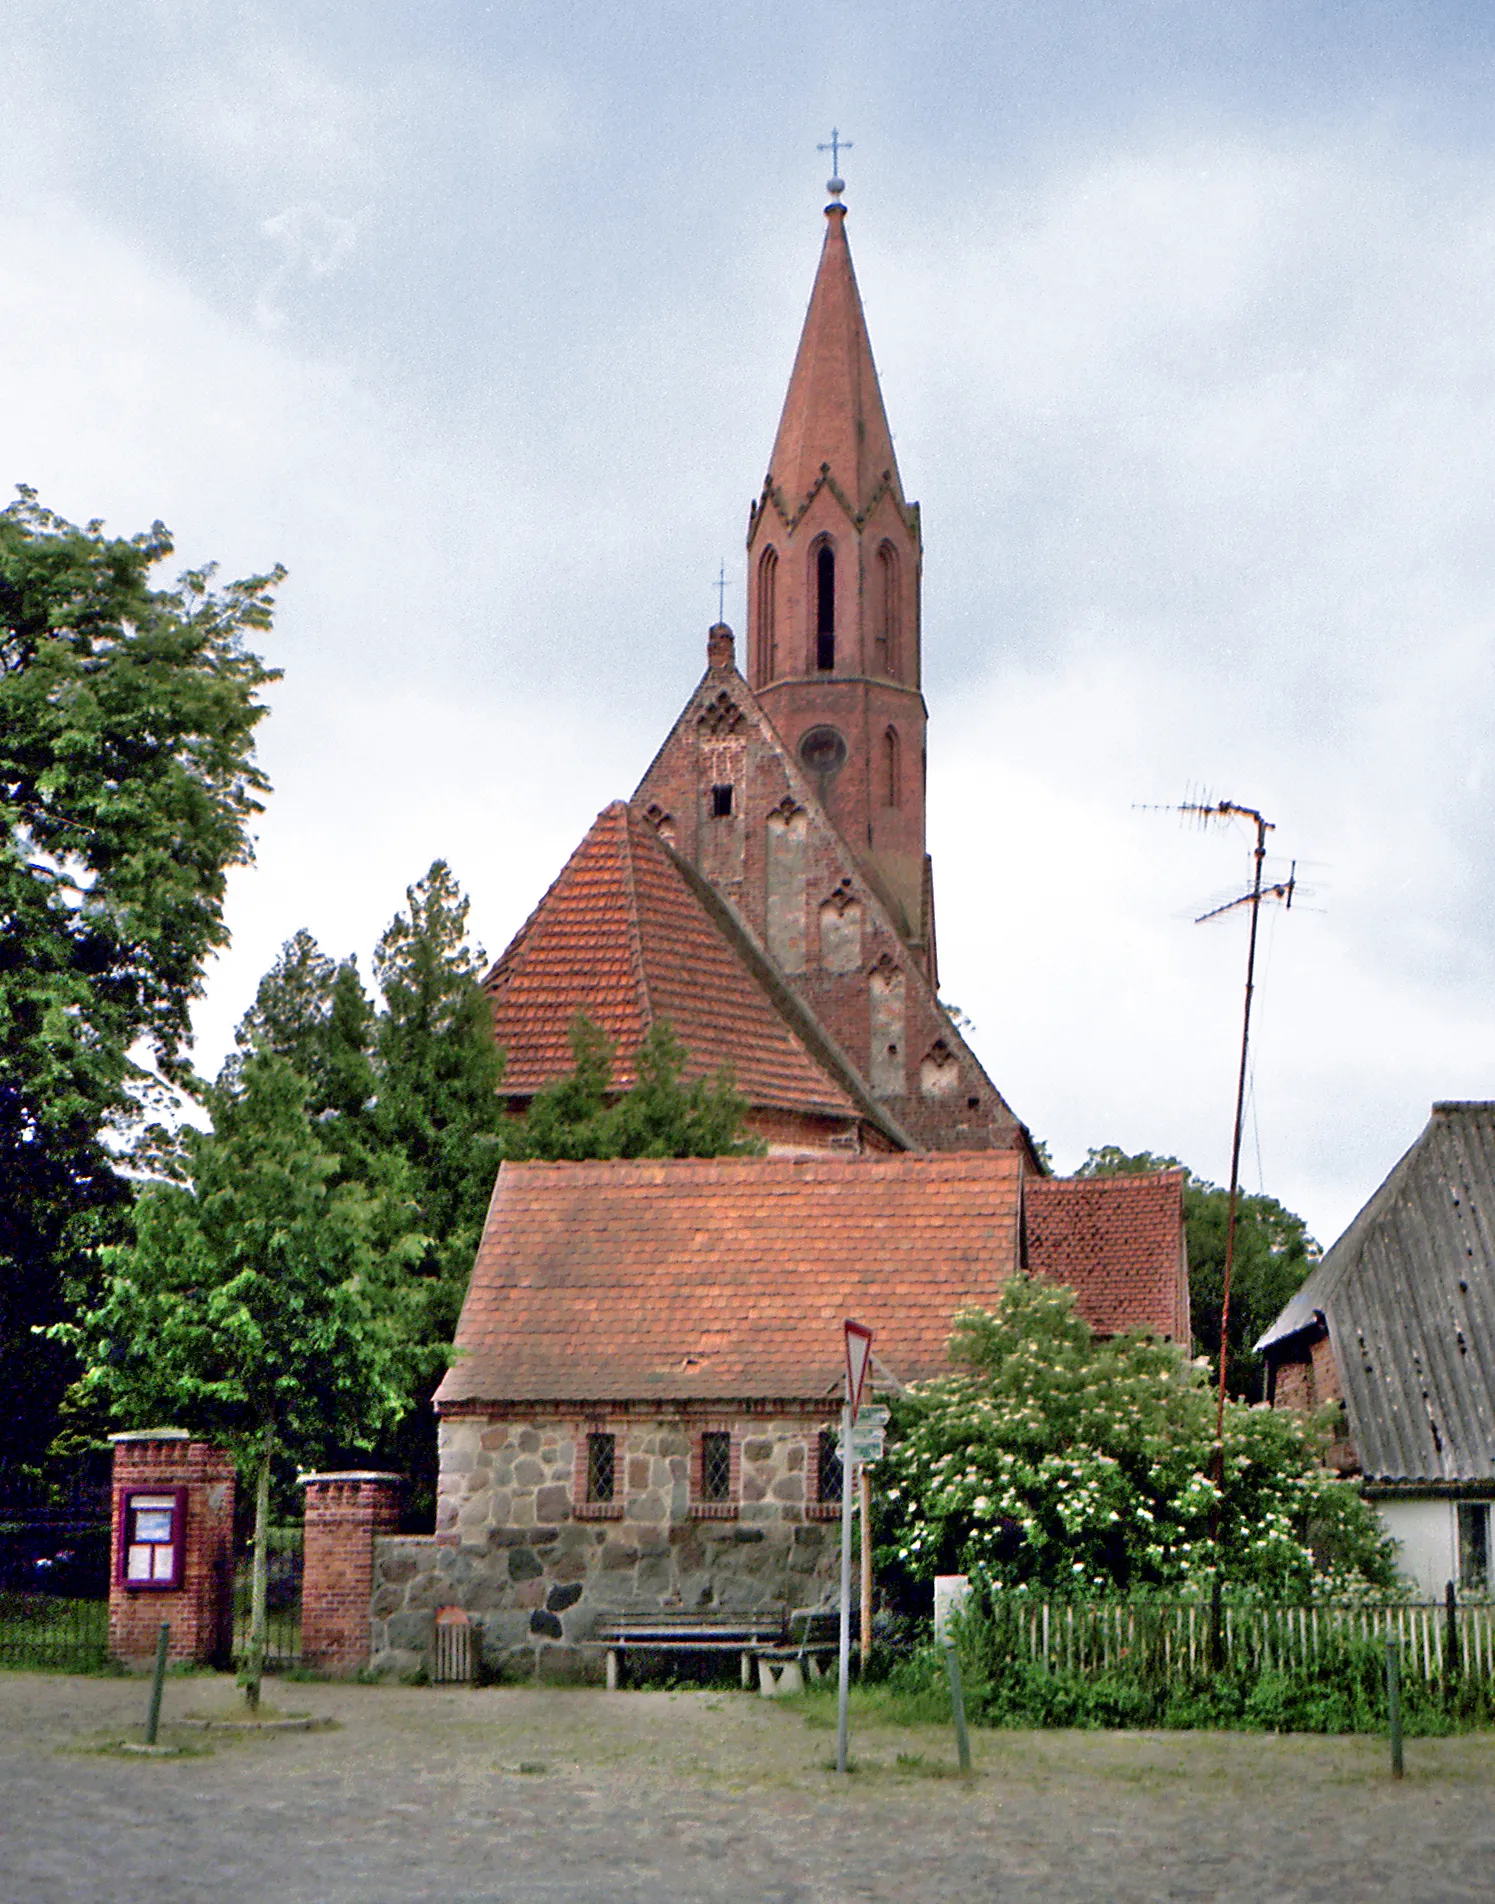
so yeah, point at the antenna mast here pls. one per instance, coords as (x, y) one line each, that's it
(1206, 811)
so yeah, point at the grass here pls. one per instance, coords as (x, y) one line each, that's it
(39, 1632)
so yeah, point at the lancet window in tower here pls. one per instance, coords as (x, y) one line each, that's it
(825, 607)
(886, 643)
(892, 769)
(768, 633)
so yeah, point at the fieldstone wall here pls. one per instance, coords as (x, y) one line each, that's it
(534, 1566)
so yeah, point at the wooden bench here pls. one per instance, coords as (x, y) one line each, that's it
(681, 1630)
(772, 1637)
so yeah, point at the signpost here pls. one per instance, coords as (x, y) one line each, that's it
(858, 1358)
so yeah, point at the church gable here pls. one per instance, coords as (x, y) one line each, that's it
(623, 937)
(726, 794)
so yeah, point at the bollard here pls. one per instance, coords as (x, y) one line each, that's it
(153, 1722)
(958, 1707)
(1394, 1703)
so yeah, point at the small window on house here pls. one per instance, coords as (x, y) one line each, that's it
(825, 607)
(602, 1467)
(721, 802)
(1474, 1546)
(828, 1467)
(716, 1466)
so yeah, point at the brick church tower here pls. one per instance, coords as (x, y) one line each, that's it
(834, 557)
(766, 890)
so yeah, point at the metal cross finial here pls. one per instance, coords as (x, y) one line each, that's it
(837, 146)
(721, 595)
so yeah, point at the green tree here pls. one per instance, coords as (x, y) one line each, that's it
(578, 1115)
(314, 1012)
(438, 1074)
(438, 1117)
(253, 1302)
(1273, 1255)
(127, 784)
(1055, 1462)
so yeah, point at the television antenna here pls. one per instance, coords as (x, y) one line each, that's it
(1208, 812)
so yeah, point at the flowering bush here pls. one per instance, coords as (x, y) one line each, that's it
(1058, 1463)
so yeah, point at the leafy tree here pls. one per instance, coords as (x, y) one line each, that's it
(1055, 1462)
(578, 1115)
(254, 1301)
(1273, 1255)
(127, 784)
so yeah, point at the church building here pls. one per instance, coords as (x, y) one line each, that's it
(647, 1367)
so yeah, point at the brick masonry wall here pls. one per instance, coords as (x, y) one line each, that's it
(200, 1612)
(345, 1514)
(534, 1573)
(933, 1083)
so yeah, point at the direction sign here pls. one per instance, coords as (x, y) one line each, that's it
(878, 1417)
(858, 1355)
(866, 1445)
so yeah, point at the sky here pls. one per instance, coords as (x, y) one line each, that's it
(479, 318)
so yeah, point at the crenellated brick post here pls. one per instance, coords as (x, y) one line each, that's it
(344, 1513)
(172, 1547)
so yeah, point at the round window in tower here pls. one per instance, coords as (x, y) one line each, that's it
(822, 751)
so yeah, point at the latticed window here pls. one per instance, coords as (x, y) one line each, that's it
(602, 1467)
(828, 1467)
(716, 1467)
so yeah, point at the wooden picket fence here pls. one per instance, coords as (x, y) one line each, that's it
(1173, 1639)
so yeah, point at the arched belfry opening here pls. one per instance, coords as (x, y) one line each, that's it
(892, 769)
(767, 652)
(825, 607)
(886, 642)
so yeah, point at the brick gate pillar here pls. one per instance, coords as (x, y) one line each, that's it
(172, 1547)
(344, 1512)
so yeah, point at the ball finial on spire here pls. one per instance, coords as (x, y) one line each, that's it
(835, 184)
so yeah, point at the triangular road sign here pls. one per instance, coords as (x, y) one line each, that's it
(858, 1355)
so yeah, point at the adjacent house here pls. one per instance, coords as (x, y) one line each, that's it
(1396, 1328)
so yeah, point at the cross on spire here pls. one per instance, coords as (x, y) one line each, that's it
(836, 147)
(721, 595)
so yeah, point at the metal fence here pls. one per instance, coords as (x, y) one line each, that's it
(42, 1630)
(1188, 1638)
(282, 1602)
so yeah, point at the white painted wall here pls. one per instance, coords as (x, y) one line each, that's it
(1427, 1535)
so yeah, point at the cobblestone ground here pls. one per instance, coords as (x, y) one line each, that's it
(700, 1797)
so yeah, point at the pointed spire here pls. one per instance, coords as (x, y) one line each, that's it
(833, 414)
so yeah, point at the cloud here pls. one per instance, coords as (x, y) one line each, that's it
(312, 243)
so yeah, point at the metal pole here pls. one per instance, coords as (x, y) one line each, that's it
(843, 1679)
(1235, 1147)
(865, 1500)
(958, 1707)
(153, 1721)
(1394, 1703)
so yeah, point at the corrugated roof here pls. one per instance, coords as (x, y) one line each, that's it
(1408, 1297)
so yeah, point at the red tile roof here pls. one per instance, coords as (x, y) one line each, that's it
(1118, 1241)
(727, 1278)
(622, 937)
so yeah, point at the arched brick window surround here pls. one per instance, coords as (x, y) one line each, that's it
(767, 653)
